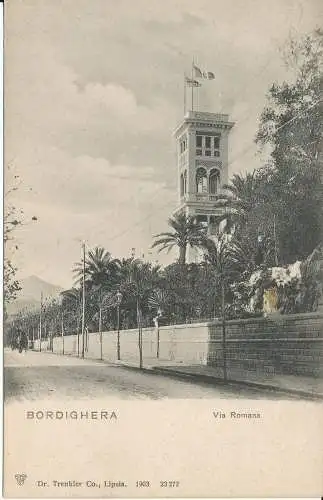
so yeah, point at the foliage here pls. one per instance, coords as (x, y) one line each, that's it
(187, 231)
(101, 276)
(13, 218)
(238, 199)
(291, 125)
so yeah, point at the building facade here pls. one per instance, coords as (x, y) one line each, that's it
(202, 166)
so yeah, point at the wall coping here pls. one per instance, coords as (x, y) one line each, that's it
(275, 318)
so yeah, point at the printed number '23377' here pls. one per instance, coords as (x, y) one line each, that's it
(169, 484)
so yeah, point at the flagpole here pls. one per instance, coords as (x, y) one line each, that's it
(192, 84)
(184, 94)
(197, 97)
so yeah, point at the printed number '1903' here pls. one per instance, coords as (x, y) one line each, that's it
(169, 484)
(142, 484)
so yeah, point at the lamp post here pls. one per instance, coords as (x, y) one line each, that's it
(156, 321)
(61, 304)
(40, 320)
(83, 302)
(118, 302)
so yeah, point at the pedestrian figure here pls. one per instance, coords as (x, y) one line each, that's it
(23, 341)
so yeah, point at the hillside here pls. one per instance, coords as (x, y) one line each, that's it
(29, 296)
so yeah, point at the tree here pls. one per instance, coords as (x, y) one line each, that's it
(101, 275)
(187, 231)
(250, 216)
(227, 259)
(72, 300)
(158, 302)
(141, 279)
(238, 199)
(291, 126)
(13, 218)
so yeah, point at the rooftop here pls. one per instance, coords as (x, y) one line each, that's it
(204, 118)
(205, 115)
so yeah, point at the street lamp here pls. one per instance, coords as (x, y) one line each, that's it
(118, 302)
(156, 321)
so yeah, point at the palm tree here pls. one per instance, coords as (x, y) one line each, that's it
(140, 280)
(242, 196)
(159, 301)
(186, 231)
(101, 272)
(227, 260)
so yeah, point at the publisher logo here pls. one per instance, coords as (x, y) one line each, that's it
(20, 478)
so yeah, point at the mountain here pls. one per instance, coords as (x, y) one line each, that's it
(29, 296)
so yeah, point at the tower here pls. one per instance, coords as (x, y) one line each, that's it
(202, 164)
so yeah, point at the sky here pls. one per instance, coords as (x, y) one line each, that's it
(94, 91)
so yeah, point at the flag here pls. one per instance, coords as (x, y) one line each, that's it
(192, 83)
(198, 73)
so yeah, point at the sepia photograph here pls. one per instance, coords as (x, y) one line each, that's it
(163, 248)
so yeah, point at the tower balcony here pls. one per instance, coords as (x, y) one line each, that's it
(200, 197)
(205, 197)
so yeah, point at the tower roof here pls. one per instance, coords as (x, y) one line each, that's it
(203, 119)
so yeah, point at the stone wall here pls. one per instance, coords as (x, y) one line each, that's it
(179, 343)
(290, 344)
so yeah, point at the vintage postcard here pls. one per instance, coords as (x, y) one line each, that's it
(163, 239)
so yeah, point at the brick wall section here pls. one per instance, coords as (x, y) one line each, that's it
(290, 344)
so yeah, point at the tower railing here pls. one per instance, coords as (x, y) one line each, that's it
(203, 115)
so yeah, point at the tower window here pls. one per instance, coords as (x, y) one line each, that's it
(182, 184)
(207, 145)
(214, 181)
(183, 144)
(185, 182)
(201, 180)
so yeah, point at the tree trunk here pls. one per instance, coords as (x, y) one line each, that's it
(224, 343)
(139, 334)
(78, 337)
(157, 354)
(182, 256)
(63, 340)
(100, 332)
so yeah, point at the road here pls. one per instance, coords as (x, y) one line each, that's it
(33, 376)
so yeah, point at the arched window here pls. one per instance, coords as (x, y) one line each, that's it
(182, 185)
(201, 180)
(185, 182)
(214, 181)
